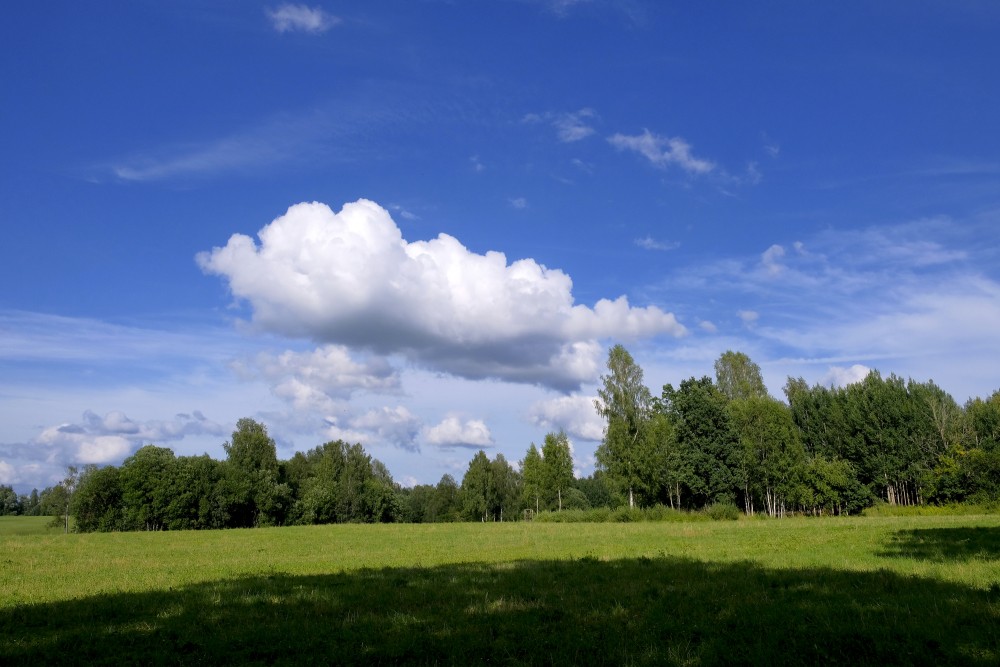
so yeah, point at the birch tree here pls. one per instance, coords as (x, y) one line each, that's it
(625, 403)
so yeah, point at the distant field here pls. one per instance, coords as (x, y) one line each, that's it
(877, 590)
(27, 525)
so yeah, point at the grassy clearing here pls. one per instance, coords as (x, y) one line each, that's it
(912, 590)
(28, 525)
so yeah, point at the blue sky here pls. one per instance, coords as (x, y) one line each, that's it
(420, 225)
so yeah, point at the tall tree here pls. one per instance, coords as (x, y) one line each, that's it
(9, 502)
(251, 480)
(476, 488)
(557, 465)
(69, 488)
(504, 488)
(705, 438)
(446, 503)
(625, 403)
(97, 503)
(532, 478)
(147, 487)
(737, 377)
(771, 452)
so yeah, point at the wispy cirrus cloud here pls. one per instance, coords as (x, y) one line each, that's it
(570, 127)
(920, 299)
(663, 151)
(649, 243)
(342, 129)
(301, 18)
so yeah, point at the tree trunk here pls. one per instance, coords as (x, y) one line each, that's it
(631, 499)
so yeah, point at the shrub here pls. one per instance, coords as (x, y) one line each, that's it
(722, 512)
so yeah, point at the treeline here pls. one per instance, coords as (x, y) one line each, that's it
(706, 445)
(48, 502)
(155, 490)
(826, 451)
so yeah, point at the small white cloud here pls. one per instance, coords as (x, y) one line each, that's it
(574, 414)
(753, 175)
(707, 326)
(770, 259)
(749, 317)
(477, 165)
(519, 203)
(838, 376)
(572, 127)
(292, 18)
(404, 213)
(649, 243)
(453, 432)
(663, 151)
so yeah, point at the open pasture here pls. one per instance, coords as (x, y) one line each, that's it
(882, 590)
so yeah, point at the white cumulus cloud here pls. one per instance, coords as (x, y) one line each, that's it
(350, 278)
(292, 18)
(839, 376)
(453, 432)
(574, 414)
(315, 380)
(396, 426)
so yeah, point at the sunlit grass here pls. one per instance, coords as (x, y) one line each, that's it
(884, 590)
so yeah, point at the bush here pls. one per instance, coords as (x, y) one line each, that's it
(722, 512)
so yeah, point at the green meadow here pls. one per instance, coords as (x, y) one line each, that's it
(862, 590)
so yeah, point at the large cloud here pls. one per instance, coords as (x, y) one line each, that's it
(574, 414)
(351, 278)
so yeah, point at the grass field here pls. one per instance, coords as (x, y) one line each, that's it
(28, 525)
(875, 590)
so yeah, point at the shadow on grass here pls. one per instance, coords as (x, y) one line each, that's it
(660, 611)
(945, 544)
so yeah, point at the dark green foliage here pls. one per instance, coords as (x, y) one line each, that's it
(10, 504)
(97, 504)
(250, 484)
(340, 483)
(574, 499)
(723, 512)
(490, 489)
(598, 492)
(706, 438)
(147, 484)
